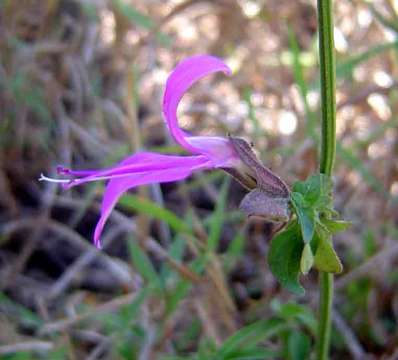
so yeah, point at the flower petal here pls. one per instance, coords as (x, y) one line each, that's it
(117, 186)
(181, 79)
(219, 150)
(137, 163)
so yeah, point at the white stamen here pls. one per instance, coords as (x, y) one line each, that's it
(45, 178)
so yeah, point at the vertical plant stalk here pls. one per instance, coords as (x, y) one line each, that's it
(328, 80)
(327, 155)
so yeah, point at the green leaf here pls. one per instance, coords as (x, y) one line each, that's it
(305, 215)
(335, 226)
(249, 336)
(293, 311)
(316, 190)
(316, 187)
(326, 258)
(312, 201)
(284, 258)
(307, 259)
(299, 346)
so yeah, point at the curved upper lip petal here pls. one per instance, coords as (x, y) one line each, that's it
(180, 80)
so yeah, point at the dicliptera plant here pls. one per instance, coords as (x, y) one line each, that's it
(307, 240)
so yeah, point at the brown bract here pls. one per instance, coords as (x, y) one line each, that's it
(269, 195)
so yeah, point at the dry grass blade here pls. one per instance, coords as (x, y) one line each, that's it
(355, 348)
(104, 308)
(385, 256)
(35, 346)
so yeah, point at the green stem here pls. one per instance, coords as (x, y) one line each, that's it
(328, 92)
(325, 314)
(327, 155)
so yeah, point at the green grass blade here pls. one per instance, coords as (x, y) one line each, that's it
(152, 209)
(143, 265)
(298, 72)
(218, 217)
(250, 336)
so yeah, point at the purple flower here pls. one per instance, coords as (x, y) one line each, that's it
(208, 152)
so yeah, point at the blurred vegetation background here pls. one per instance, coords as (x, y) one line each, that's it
(183, 274)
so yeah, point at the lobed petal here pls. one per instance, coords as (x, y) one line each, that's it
(119, 185)
(180, 80)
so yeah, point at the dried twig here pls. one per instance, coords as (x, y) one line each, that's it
(38, 227)
(130, 227)
(37, 346)
(355, 348)
(100, 349)
(384, 256)
(153, 246)
(78, 266)
(107, 307)
(118, 269)
(150, 331)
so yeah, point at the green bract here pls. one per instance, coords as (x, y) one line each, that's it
(306, 241)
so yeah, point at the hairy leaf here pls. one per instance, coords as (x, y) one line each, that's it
(305, 214)
(335, 226)
(316, 190)
(284, 257)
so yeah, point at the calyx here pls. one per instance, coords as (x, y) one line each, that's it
(269, 195)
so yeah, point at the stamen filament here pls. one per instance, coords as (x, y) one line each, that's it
(45, 178)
